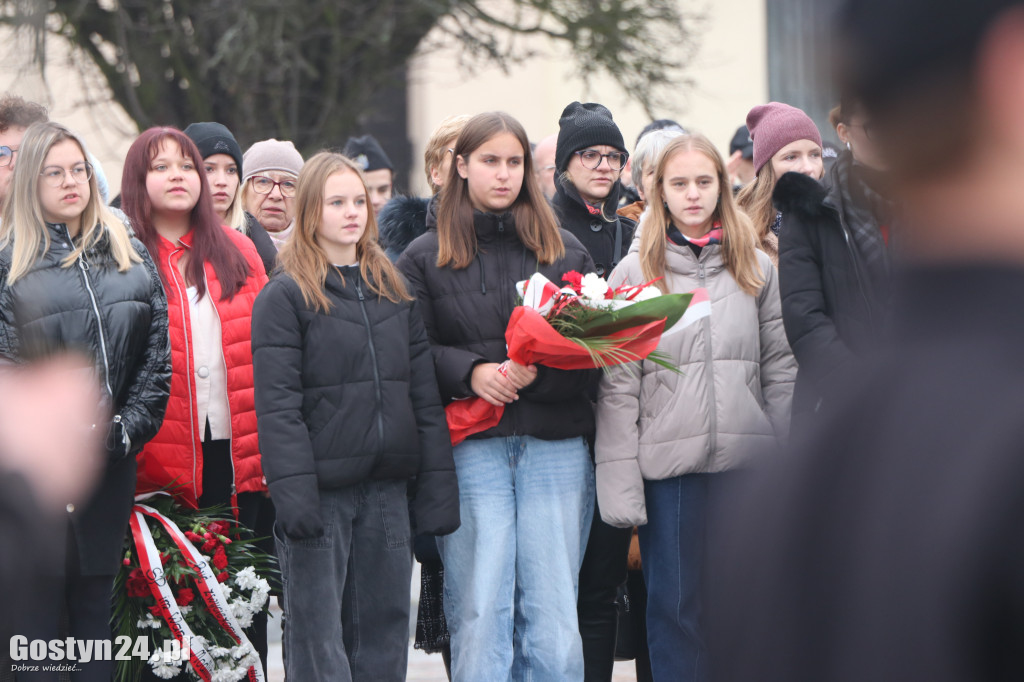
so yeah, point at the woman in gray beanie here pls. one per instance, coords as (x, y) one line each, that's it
(222, 159)
(271, 171)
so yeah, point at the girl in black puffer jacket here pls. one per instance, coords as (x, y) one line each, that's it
(74, 281)
(348, 412)
(526, 485)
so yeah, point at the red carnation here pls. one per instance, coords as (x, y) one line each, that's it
(164, 556)
(137, 585)
(221, 577)
(575, 280)
(220, 559)
(184, 596)
(155, 610)
(192, 537)
(219, 527)
(208, 546)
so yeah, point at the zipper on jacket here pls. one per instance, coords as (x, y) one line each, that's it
(83, 265)
(187, 334)
(710, 363)
(506, 311)
(231, 432)
(376, 370)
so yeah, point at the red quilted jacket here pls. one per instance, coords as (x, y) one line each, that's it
(175, 455)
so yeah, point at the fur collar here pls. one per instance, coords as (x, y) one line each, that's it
(798, 194)
(401, 221)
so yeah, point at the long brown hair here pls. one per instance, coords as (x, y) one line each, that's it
(739, 246)
(756, 200)
(535, 223)
(305, 261)
(210, 244)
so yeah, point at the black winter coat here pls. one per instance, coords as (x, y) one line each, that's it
(607, 241)
(467, 311)
(834, 298)
(119, 319)
(257, 234)
(346, 396)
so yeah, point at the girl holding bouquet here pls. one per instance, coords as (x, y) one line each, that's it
(526, 484)
(664, 438)
(73, 281)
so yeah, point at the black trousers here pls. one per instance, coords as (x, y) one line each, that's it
(603, 570)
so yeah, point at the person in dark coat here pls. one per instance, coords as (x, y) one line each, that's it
(526, 485)
(348, 412)
(834, 264)
(589, 159)
(77, 283)
(887, 547)
(222, 158)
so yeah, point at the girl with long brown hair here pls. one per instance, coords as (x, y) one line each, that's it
(526, 484)
(348, 412)
(663, 437)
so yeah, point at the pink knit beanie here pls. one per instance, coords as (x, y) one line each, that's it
(774, 125)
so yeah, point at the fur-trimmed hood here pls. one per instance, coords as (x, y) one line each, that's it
(402, 220)
(796, 193)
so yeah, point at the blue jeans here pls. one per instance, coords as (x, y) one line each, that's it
(346, 594)
(672, 546)
(512, 568)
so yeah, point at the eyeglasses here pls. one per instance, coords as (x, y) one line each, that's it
(264, 185)
(54, 175)
(6, 155)
(591, 159)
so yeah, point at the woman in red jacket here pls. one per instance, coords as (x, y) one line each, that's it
(207, 447)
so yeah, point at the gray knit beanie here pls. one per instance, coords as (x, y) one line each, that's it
(271, 155)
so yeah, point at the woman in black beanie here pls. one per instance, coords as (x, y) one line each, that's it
(223, 160)
(589, 158)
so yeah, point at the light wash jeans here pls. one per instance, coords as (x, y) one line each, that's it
(511, 571)
(346, 594)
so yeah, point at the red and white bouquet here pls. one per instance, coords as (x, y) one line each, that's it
(584, 325)
(189, 579)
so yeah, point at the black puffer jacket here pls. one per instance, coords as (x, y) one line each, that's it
(834, 286)
(346, 396)
(120, 320)
(466, 312)
(607, 241)
(257, 234)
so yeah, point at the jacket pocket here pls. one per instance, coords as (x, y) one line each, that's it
(320, 416)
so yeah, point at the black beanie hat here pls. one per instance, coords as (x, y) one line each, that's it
(367, 153)
(214, 138)
(584, 125)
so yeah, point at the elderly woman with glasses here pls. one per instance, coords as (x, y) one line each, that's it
(271, 173)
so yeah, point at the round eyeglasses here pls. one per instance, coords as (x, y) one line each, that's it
(591, 159)
(54, 175)
(264, 185)
(6, 155)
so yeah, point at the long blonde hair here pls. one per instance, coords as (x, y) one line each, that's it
(739, 245)
(305, 260)
(535, 223)
(756, 200)
(23, 221)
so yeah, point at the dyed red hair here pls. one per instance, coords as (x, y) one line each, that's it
(209, 242)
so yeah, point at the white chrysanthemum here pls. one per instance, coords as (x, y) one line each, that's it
(246, 579)
(242, 612)
(163, 665)
(647, 293)
(148, 621)
(594, 287)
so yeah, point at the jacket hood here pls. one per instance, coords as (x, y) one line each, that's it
(404, 219)
(796, 193)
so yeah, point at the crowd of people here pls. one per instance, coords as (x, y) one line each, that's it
(281, 335)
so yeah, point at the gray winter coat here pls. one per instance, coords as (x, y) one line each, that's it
(730, 400)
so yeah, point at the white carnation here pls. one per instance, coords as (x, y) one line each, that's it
(594, 287)
(647, 293)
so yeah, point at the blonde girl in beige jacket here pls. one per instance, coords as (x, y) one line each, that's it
(663, 436)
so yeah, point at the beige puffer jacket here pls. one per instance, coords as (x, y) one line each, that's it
(731, 400)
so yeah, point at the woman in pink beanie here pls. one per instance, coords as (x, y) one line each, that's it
(785, 140)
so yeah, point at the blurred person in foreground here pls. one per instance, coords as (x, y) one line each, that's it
(888, 546)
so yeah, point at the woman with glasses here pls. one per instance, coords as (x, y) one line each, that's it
(222, 161)
(785, 140)
(834, 261)
(589, 158)
(271, 176)
(74, 282)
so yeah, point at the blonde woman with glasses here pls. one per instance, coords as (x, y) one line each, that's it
(74, 282)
